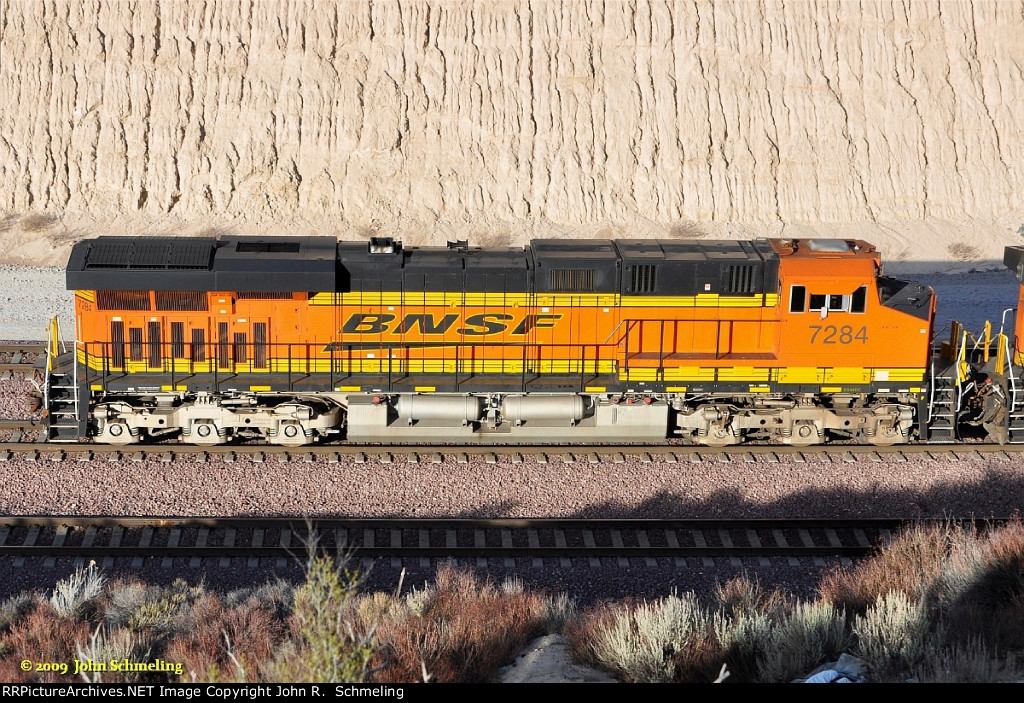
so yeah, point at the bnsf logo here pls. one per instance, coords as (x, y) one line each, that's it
(479, 325)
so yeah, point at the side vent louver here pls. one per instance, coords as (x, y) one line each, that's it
(643, 278)
(739, 279)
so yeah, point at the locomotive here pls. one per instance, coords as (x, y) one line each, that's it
(294, 340)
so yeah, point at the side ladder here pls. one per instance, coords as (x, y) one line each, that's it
(61, 391)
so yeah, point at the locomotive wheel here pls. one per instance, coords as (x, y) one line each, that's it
(888, 435)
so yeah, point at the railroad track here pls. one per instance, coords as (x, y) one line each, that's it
(21, 357)
(27, 437)
(178, 541)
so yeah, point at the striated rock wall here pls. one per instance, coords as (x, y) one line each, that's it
(497, 121)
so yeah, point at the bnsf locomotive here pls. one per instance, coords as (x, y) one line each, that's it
(291, 340)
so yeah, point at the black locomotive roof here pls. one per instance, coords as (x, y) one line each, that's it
(267, 264)
(656, 267)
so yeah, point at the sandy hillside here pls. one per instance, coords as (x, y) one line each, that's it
(498, 121)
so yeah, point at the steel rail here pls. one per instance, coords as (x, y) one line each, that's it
(437, 538)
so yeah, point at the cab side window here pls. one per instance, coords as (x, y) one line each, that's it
(800, 301)
(797, 298)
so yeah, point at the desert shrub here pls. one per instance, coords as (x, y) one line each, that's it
(458, 629)
(329, 643)
(812, 634)
(972, 662)
(16, 607)
(981, 588)
(912, 563)
(106, 644)
(122, 600)
(893, 636)
(41, 636)
(72, 594)
(559, 610)
(668, 640)
(743, 637)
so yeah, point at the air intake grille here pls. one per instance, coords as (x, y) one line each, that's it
(267, 248)
(571, 280)
(185, 300)
(122, 300)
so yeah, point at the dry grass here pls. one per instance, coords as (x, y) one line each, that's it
(37, 221)
(962, 251)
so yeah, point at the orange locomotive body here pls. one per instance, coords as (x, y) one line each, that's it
(294, 339)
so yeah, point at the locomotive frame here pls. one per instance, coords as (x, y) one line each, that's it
(293, 340)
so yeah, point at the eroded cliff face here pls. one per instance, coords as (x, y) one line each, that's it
(498, 121)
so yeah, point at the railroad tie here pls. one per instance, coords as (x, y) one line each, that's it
(424, 543)
(229, 541)
(622, 560)
(644, 542)
(671, 458)
(204, 534)
(726, 539)
(87, 539)
(805, 538)
(560, 543)
(257, 543)
(533, 540)
(285, 542)
(506, 543)
(799, 458)
(144, 541)
(480, 542)
(368, 543)
(695, 458)
(589, 543)
(755, 542)
(58, 541)
(396, 544)
(173, 540)
(701, 543)
(672, 540)
(115, 541)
